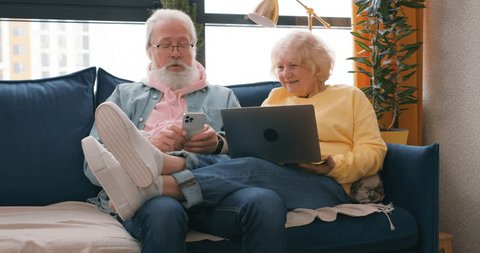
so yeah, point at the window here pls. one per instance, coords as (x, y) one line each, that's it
(45, 60)
(19, 67)
(62, 42)
(61, 27)
(85, 60)
(44, 26)
(18, 49)
(85, 42)
(1, 49)
(111, 36)
(238, 51)
(62, 60)
(117, 47)
(44, 41)
(18, 31)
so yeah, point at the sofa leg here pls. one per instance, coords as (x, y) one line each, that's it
(445, 243)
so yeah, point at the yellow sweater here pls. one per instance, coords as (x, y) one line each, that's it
(347, 130)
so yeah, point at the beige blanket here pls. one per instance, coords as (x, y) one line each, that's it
(65, 227)
(302, 216)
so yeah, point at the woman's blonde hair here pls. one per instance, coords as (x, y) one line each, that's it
(307, 50)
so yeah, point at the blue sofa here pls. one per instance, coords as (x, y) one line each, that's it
(43, 121)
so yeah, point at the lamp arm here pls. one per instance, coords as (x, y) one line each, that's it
(310, 12)
(304, 6)
(325, 23)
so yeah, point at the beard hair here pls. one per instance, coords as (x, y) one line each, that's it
(176, 80)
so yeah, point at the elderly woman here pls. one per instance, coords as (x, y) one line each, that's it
(349, 133)
(349, 137)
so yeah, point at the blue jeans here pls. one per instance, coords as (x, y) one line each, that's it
(160, 225)
(295, 187)
(243, 198)
(256, 216)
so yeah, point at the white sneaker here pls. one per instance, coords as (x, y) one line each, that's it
(123, 192)
(141, 160)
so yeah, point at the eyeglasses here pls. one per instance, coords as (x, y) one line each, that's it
(168, 48)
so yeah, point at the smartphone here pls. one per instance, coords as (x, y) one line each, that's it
(193, 123)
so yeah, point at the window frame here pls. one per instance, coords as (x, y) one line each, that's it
(93, 10)
(137, 11)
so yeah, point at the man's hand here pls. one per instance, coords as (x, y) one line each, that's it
(323, 168)
(170, 138)
(204, 142)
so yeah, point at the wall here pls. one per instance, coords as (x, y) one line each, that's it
(451, 117)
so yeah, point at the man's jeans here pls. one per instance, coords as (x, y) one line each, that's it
(256, 216)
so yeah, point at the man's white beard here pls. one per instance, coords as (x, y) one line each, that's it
(177, 80)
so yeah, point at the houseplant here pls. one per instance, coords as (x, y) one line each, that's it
(384, 57)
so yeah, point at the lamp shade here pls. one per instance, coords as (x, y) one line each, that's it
(266, 13)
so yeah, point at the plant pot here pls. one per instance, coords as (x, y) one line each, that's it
(397, 136)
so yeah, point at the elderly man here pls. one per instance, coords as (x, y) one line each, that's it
(176, 83)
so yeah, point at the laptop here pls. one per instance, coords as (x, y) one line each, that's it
(281, 134)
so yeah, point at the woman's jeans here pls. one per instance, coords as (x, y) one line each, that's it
(244, 198)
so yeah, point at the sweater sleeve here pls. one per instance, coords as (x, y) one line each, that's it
(368, 151)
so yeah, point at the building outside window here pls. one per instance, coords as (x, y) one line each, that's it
(18, 49)
(85, 60)
(18, 31)
(45, 59)
(62, 42)
(19, 67)
(62, 60)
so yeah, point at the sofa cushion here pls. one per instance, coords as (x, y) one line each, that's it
(366, 234)
(106, 83)
(72, 227)
(43, 122)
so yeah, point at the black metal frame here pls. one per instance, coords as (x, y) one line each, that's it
(94, 10)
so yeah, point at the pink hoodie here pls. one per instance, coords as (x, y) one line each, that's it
(173, 104)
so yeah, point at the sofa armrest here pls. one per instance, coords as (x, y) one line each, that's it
(410, 175)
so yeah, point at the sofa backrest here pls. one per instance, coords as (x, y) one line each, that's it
(249, 94)
(253, 94)
(42, 123)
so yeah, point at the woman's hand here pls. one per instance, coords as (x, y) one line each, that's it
(204, 142)
(323, 168)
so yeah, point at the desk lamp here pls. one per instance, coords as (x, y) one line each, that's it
(266, 14)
